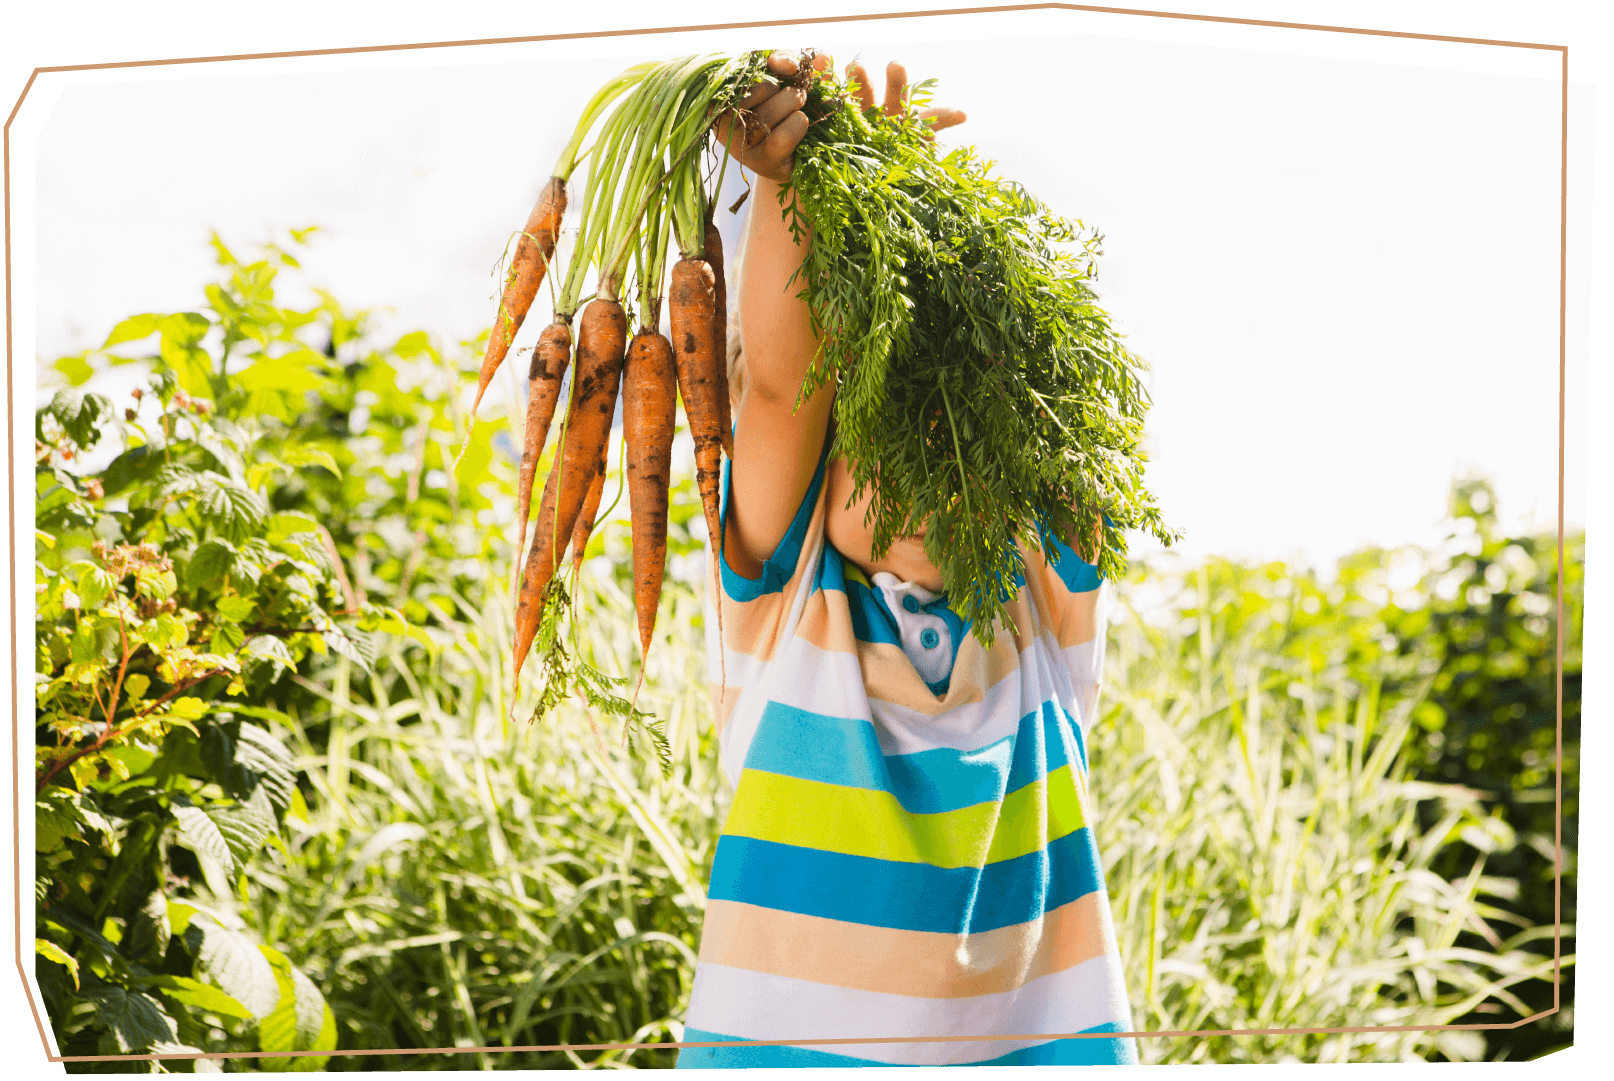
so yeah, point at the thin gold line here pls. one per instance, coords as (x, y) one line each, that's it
(762, 23)
(648, 31)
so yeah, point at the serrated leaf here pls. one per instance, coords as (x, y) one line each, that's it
(270, 760)
(47, 949)
(198, 832)
(211, 562)
(94, 584)
(79, 414)
(198, 995)
(231, 508)
(354, 644)
(148, 932)
(234, 963)
(164, 632)
(235, 609)
(266, 647)
(245, 825)
(288, 524)
(299, 1021)
(134, 1018)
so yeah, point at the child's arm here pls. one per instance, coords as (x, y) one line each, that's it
(776, 445)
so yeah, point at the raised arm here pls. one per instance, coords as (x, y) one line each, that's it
(776, 445)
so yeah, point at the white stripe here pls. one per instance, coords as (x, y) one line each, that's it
(759, 1006)
(976, 724)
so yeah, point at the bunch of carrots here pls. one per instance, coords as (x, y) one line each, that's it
(647, 191)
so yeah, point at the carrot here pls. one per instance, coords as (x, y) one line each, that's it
(648, 420)
(720, 330)
(591, 507)
(533, 252)
(549, 362)
(601, 342)
(692, 308)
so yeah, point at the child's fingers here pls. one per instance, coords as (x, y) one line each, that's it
(759, 93)
(781, 142)
(865, 93)
(782, 64)
(896, 85)
(780, 105)
(938, 119)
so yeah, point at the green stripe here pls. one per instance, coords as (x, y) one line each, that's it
(872, 823)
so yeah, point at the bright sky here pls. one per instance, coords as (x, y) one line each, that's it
(1343, 268)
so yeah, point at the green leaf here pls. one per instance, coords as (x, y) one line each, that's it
(231, 508)
(47, 949)
(76, 368)
(413, 345)
(234, 963)
(355, 645)
(304, 454)
(148, 932)
(135, 1019)
(236, 609)
(299, 1021)
(284, 373)
(79, 414)
(131, 330)
(245, 825)
(198, 996)
(198, 832)
(266, 647)
(164, 632)
(155, 584)
(93, 584)
(211, 562)
(41, 537)
(135, 466)
(267, 757)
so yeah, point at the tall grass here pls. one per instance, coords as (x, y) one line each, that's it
(1261, 836)
(459, 879)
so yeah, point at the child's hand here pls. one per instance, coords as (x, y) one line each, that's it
(896, 85)
(768, 148)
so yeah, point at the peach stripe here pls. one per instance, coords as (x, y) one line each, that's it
(827, 623)
(920, 964)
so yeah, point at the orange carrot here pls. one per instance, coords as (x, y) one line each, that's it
(591, 507)
(693, 303)
(720, 330)
(693, 310)
(549, 363)
(648, 419)
(601, 342)
(533, 252)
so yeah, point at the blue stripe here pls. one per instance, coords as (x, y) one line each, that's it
(907, 896)
(1078, 575)
(1118, 1052)
(842, 751)
(778, 567)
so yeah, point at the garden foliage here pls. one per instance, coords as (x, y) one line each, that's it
(280, 805)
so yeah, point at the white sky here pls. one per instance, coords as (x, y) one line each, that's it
(1343, 269)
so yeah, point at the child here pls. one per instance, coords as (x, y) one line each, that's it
(908, 853)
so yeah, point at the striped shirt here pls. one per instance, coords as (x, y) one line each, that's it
(908, 850)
